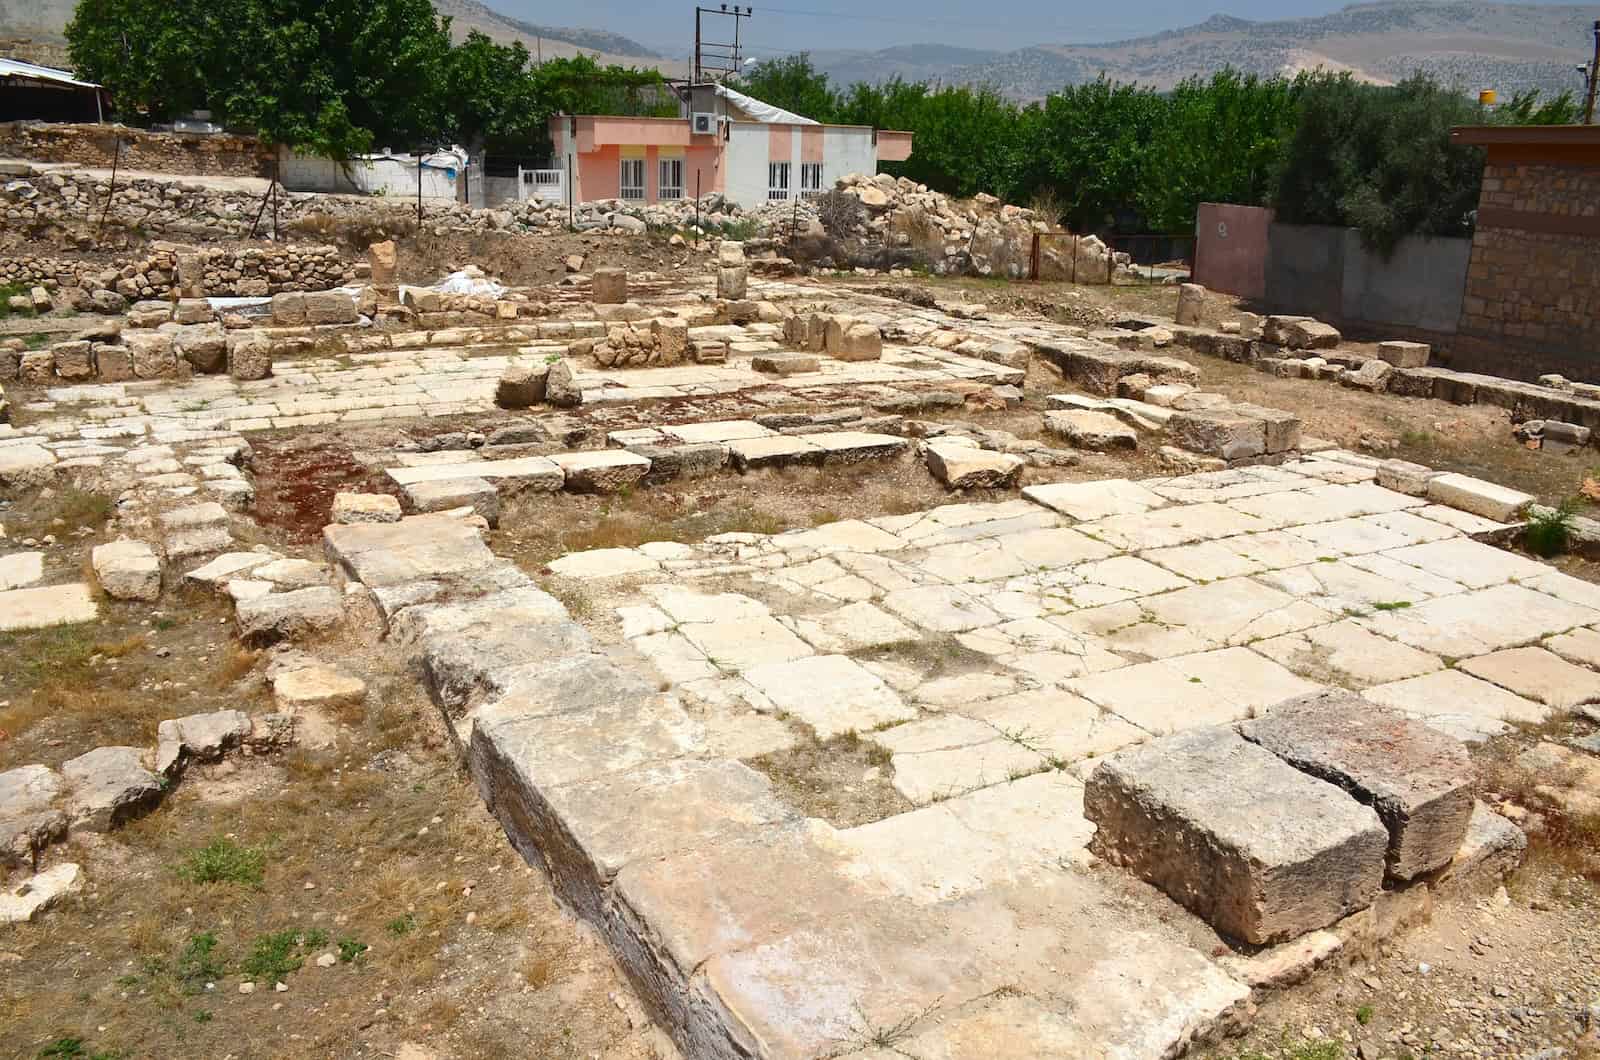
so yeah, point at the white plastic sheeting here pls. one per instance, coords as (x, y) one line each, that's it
(762, 112)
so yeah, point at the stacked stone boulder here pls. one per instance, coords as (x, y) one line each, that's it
(733, 275)
(1287, 823)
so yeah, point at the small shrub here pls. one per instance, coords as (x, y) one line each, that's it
(273, 956)
(199, 962)
(224, 861)
(401, 925)
(350, 950)
(1364, 1015)
(1549, 530)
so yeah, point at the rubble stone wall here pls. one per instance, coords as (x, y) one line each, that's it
(1534, 276)
(158, 152)
(254, 271)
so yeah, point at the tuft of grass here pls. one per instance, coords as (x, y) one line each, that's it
(1549, 530)
(273, 956)
(350, 950)
(224, 861)
(1364, 1015)
(1392, 605)
(200, 963)
(401, 926)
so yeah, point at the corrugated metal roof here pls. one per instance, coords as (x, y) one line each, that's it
(14, 68)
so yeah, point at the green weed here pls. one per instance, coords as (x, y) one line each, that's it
(224, 861)
(1549, 530)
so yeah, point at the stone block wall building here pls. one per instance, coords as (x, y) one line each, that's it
(1533, 278)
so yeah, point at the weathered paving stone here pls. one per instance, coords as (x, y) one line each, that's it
(1087, 501)
(1186, 691)
(414, 549)
(20, 569)
(744, 643)
(21, 901)
(525, 472)
(291, 615)
(1537, 674)
(127, 570)
(1492, 848)
(604, 563)
(1087, 429)
(107, 786)
(1458, 704)
(833, 694)
(1419, 780)
(940, 608)
(204, 737)
(365, 508)
(602, 471)
(850, 447)
(1229, 435)
(1347, 654)
(947, 755)
(462, 666)
(229, 565)
(1260, 850)
(962, 467)
(46, 605)
(749, 454)
(785, 363)
(1481, 498)
(29, 821)
(317, 687)
(449, 494)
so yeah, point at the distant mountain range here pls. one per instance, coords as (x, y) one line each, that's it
(1508, 47)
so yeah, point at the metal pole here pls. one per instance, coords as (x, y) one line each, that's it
(697, 209)
(1074, 257)
(116, 156)
(419, 187)
(697, 45)
(572, 194)
(1594, 73)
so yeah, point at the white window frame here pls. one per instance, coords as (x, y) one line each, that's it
(633, 167)
(777, 181)
(810, 180)
(670, 186)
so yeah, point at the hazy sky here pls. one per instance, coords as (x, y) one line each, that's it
(798, 24)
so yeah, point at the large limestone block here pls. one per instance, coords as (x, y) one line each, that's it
(414, 549)
(127, 570)
(29, 822)
(1087, 429)
(601, 471)
(289, 308)
(1282, 428)
(1405, 354)
(330, 307)
(1229, 435)
(193, 311)
(561, 385)
(1229, 830)
(204, 347)
(1191, 304)
(107, 786)
(1474, 495)
(289, 615)
(249, 355)
(963, 467)
(521, 386)
(383, 259)
(153, 355)
(73, 360)
(733, 281)
(46, 605)
(365, 508)
(848, 339)
(444, 495)
(610, 286)
(1418, 779)
(671, 337)
(204, 737)
(462, 667)
(1299, 333)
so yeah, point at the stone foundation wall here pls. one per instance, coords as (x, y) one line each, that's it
(254, 271)
(1534, 275)
(158, 152)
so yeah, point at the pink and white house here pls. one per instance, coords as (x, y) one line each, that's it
(751, 152)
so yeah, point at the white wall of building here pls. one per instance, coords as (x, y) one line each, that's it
(844, 151)
(390, 175)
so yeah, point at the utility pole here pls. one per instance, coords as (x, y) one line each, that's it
(1594, 73)
(717, 57)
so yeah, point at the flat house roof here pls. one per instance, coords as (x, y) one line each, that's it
(603, 129)
(1550, 144)
(13, 68)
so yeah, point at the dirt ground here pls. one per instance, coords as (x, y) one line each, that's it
(367, 847)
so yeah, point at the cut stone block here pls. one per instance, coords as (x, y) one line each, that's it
(1282, 428)
(1260, 850)
(717, 431)
(1228, 435)
(850, 447)
(22, 901)
(750, 454)
(449, 494)
(1537, 674)
(1404, 354)
(317, 687)
(610, 286)
(1402, 476)
(107, 786)
(46, 605)
(365, 508)
(601, 470)
(26, 465)
(526, 472)
(201, 736)
(962, 467)
(1418, 779)
(28, 820)
(1458, 704)
(604, 563)
(522, 386)
(127, 570)
(785, 363)
(289, 615)
(1474, 495)
(1086, 429)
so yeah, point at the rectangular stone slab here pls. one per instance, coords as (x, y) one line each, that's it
(1259, 849)
(1418, 779)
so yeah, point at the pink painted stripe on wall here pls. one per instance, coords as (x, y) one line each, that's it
(780, 143)
(811, 143)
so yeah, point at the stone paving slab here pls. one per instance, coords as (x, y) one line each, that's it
(1458, 704)
(46, 605)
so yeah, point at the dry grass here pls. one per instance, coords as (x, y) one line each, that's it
(1563, 846)
(66, 512)
(845, 780)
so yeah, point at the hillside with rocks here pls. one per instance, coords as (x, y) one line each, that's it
(1509, 47)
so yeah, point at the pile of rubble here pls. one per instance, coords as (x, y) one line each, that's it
(244, 272)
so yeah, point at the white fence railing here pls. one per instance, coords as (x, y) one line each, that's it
(546, 184)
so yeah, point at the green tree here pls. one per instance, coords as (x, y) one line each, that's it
(490, 97)
(793, 84)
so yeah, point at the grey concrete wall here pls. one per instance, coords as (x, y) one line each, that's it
(1420, 286)
(1325, 272)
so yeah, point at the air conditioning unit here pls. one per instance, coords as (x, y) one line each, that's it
(703, 124)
